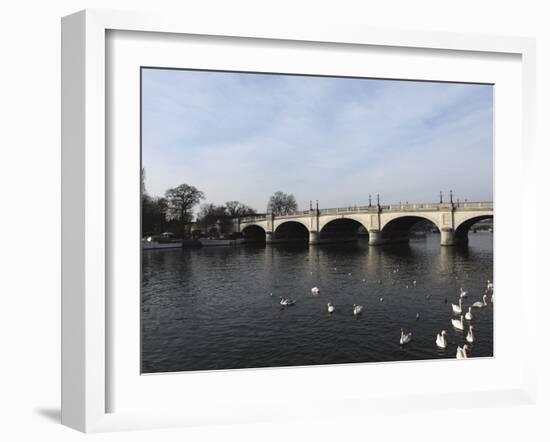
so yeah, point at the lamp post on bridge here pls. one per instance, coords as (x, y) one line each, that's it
(440, 197)
(370, 202)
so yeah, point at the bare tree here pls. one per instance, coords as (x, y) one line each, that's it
(281, 203)
(236, 209)
(181, 201)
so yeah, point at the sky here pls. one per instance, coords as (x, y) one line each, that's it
(244, 136)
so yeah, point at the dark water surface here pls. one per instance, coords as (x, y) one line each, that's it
(210, 308)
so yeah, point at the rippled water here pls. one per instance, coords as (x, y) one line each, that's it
(210, 308)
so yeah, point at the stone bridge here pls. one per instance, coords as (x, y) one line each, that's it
(382, 224)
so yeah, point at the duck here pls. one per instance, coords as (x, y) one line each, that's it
(405, 338)
(315, 290)
(357, 309)
(463, 293)
(470, 336)
(330, 307)
(468, 316)
(462, 353)
(457, 309)
(479, 304)
(441, 339)
(458, 323)
(286, 301)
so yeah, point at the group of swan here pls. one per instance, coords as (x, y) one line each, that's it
(441, 341)
(357, 309)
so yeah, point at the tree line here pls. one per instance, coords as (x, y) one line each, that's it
(174, 212)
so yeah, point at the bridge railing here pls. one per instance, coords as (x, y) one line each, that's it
(353, 209)
(475, 205)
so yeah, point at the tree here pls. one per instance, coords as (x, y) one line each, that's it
(180, 201)
(210, 215)
(236, 209)
(281, 203)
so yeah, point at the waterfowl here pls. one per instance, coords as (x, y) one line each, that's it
(457, 309)
(463, 293)
(462, 353)
(381, 299)
(458, 323)
(468, 316)
(405, 338)
(315, 290)
(357, 309)
(330, 307)
(479, 304)
(441, 339)
(417, 316)
(286, 301)
(489, 285)
(470, 336)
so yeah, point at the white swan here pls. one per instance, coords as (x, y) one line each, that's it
(479, 304)
(315, 290)
(330, 307)
(468, 316)
(463, 293)
(470, 336)
(405, 338)
(457, 309)
(462, 353)
(441, 339)
(458, 323)
(357, 309)
(286, 301)
(490, 285)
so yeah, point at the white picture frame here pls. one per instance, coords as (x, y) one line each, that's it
(86, 210)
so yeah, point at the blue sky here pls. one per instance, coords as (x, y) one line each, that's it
(239, 136)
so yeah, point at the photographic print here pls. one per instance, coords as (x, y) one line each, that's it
(297, 220)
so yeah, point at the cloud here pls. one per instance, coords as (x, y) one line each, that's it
(244, 136)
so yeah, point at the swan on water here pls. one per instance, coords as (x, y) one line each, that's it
(417, 316)
(458, 323)
(286, 301)
(463, 293)
(470, 336)
(315, 290)
(357, 309)
(479, 304)
(457, 309)
(468, 316)
(330, 307)
(441, 339)
(381, 299)
(462, 353)
(490, 285)
(405, 338)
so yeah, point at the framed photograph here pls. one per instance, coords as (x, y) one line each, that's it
(279, 223)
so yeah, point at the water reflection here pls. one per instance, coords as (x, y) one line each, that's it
(210, 308)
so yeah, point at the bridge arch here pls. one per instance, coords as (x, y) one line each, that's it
(291, 230)
(342, 229)
(253, 233)
(462, 229)
(398, 228)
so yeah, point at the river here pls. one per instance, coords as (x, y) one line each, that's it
(215, 308)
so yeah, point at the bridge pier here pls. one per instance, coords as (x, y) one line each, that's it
(269, 237)
(313, 237)
(447, 237)
(375, 238)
